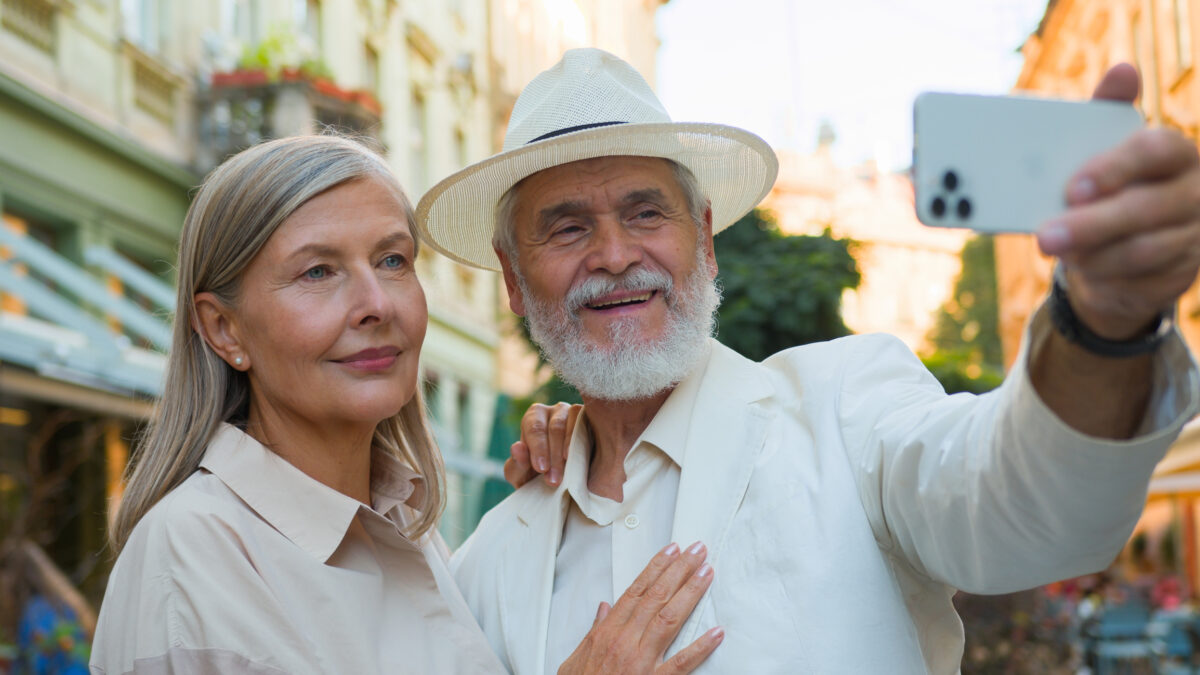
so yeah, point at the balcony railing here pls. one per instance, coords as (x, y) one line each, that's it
(245, 107)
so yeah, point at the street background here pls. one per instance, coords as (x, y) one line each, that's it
(112, 111)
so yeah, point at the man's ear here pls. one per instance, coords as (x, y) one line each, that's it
(516, 301)
(215, 324)
(706, 240)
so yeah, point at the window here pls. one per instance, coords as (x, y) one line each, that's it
(418, 131)
(1183, 35)
(464, 419)
(1144, 61)
(371, 70)
(460, 148)
(142, 22)
(34, 21)
(429, 389)
(307, 16)
(240, 19)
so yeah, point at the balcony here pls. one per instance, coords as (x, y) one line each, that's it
(245, 107)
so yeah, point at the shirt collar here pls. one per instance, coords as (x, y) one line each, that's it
(311, 514)
(668, 431)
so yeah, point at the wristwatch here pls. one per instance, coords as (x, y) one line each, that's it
(1069, 326)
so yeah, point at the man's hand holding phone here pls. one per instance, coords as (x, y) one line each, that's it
(1129, 241)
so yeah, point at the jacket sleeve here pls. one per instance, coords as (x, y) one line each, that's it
(994, 493)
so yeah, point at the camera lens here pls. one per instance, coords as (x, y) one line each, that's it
(964, 208)
(938, 207)
(950, 180)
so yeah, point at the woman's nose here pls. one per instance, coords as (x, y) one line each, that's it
(371, 302)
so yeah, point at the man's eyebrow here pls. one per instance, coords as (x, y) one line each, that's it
(552, 213)
(644, 195)
(565, 208)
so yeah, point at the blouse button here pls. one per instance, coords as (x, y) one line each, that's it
(632, 521)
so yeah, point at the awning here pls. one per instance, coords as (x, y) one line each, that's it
(76, 330)
(1178, 473)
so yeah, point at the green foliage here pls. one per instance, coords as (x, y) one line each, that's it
(967, 354)
(281, 50)
(956, 371)
(780, 290)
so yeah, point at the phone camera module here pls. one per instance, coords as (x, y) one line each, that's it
(950, 181)
(964, 208)
(938, 207)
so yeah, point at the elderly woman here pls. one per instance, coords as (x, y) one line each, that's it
(280, 515)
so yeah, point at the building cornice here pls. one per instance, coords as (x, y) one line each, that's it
(128, 148)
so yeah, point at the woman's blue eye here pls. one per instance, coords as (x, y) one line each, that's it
(316, 273)
(393, 261)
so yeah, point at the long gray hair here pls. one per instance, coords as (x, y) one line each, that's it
(235, 212)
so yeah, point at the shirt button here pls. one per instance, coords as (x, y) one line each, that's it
(632, 521)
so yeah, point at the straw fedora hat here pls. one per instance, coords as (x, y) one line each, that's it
(591, 104)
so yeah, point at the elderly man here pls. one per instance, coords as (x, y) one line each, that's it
(842, 495)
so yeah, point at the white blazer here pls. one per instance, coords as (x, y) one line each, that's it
(843, 498)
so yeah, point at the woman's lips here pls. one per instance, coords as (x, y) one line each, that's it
(371, 359)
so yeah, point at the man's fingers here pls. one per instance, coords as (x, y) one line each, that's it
(650, 574)
(1145, 254)
(689, 658)
(647, 617)
(1148, 155)
(534, 425)
(1120, 83)
(518, 473)
(1135, 209)
(557, 439)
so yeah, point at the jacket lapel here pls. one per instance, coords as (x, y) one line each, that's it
(727, 434)
(528, 575)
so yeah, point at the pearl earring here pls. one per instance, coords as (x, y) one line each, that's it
(237, 360)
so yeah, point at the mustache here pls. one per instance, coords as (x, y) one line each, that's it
(593, 288)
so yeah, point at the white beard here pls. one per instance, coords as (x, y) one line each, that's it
(623, 368)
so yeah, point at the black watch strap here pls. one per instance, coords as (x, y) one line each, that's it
(1069, 326)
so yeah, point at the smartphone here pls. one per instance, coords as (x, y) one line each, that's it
(1001, 163)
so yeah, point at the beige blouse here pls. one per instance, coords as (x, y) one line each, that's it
(250, 566)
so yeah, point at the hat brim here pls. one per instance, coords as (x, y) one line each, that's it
(734, 168)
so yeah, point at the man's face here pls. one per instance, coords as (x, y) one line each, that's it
(611, 266)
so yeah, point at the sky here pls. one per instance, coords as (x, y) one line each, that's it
(780, 67)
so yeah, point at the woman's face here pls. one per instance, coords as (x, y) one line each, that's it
(330, 313)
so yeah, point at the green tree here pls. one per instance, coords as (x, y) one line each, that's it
(966, 338)
(780, 290)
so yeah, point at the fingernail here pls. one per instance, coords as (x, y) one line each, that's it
(695, 548)
(555, 476)
(704, 570)
(1082, 190)
(671, 549)
(717, 633)
(541, 464)
(1054, 238)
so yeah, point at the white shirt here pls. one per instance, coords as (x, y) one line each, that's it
(251, 566)
(606, 544)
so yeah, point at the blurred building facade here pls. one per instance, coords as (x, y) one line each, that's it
(1074, 45)
(908, 269)
(111, 112)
